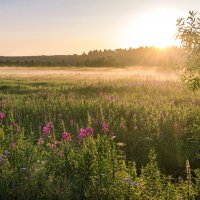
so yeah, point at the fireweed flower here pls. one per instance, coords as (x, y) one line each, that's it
(89, 131)
(105, 127)
(56, 142)
(47, 129)
(53, 146)
(40, 140)
(49, 125)
(66, 136)
(13, 124)
(1, 116)
(84, 133)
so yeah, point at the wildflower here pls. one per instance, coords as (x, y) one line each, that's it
(89, 131)
(113, 136)
(105, 127)
(49, 125)
(82, 132)
(40, 140)
(79, 137)
(13, 124)
(1, 116)
(85, 133)
(6, 152)
(53, 146)
(66, 136)
(121, 144)
(46, 130)
(56, 142)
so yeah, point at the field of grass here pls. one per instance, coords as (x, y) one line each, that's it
(110, 134)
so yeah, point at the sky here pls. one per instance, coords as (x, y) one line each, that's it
(60, 27)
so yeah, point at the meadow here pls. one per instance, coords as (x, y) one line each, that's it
(100, 133)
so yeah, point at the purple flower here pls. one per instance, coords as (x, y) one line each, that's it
(6, 152)
(84, 133)
(89, 131)
(66, 136)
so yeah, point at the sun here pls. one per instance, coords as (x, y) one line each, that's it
(156, 28)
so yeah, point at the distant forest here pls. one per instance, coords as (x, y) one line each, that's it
(145, 56)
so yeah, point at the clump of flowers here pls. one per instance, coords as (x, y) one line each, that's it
(105, 127)
(85, 133)
(66, 136)
(47, 129)
(54, 145)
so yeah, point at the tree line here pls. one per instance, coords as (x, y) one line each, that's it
(145, 56)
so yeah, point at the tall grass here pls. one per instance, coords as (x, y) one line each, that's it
(142, 114)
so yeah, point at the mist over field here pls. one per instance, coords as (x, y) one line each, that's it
(154, 73)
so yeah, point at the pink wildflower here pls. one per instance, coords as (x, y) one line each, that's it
(40, 140)
(53, 146)
(49, 125)
(66, 136)
(89, 131)
(45, 130)
(1, 116)
(13, 124)
(56, 142)
(84, 133)
(105, 127)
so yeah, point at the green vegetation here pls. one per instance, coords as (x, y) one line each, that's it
(42, 160)
(144, 56)
(189, 34)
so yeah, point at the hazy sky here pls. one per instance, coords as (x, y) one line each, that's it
(38, 27)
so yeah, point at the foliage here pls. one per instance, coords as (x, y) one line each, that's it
(79, 139)
(93, 168)
(189, 35)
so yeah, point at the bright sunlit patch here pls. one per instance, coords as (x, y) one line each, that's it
(151, 29)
